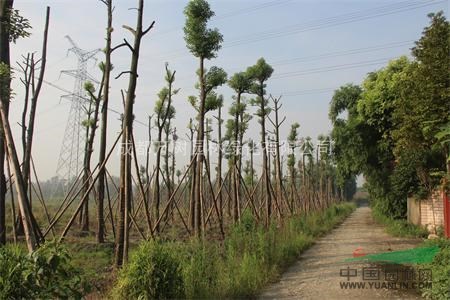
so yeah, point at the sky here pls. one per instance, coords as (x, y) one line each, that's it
(313, 46)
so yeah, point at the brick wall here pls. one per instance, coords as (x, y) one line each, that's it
(428, 213)
(432, 211)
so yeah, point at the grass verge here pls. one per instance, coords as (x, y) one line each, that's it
(440, 270)
(399, 227)
(249, 258)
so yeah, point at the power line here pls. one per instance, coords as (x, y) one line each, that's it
(320, 24)
(330, 22)
(342, 53)
(332, 68)
(87, 99)
(232, 13)
(307, 92)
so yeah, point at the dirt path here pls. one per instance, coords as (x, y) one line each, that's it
(317, 274)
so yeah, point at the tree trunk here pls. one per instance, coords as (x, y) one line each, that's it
(266, 171)
(236, 159)
(198, 166)
(24, 206)
(5, 7)
(121, 251)
(103, 131)
(219, 161)
(156, 187)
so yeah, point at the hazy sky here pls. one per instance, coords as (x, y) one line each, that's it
(314, 47)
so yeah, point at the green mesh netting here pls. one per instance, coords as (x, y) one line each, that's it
(411, 256)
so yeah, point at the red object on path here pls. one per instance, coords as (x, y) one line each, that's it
(446, 214)
(359, 252)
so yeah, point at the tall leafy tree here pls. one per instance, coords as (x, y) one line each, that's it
(241, 83)
(203, 43)
(423, 108)
(260, 73)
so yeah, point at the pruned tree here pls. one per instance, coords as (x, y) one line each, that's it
(291, 162)
(125, 193)
(164, 111)
(241, 83)
(219, 143)
(277, 158)
(90, 124)
(107, 67)
(260, 73)
(203, 43)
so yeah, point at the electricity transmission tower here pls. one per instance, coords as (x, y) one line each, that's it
(71, 154)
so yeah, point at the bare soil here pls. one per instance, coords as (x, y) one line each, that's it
(317, 274)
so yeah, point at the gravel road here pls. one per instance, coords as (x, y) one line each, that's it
(317, 274)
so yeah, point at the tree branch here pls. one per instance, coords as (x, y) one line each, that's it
(125, 72)
(129, 29)
(148, 29)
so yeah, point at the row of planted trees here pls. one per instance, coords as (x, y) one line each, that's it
(148, 199)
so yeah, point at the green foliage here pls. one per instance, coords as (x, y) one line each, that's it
(249, 181)
(46, 273)
(213, 101)
(89, 87)
(344, 100)
(153, 272)
(201, 41)
(200, 269)
(13, 265)
(394, 129)
(398, 227)
(251, 257)
(292, 141)
(241, 82)
(16, 25)
(260, 72)
(440, 268)
(214, 78)
(5, 78)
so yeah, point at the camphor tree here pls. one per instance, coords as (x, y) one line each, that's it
(293, 144)
(164, 110)
(260, 73)
(203, 43)
(240, 83)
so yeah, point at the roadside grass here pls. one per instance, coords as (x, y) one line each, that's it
(239, 267)
(440, 270)
(399, 227)
(440, 266)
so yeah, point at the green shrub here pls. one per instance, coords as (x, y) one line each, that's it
(46, 273)
(13, 265)
(251, 256)
(200, 270)
(153, 272)
(440, 268)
